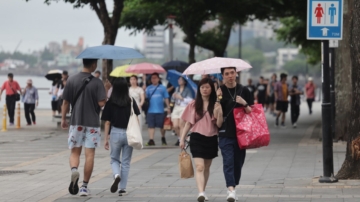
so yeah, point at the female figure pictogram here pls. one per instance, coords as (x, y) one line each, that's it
(319, 11)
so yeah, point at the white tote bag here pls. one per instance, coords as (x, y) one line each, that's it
(133, 131)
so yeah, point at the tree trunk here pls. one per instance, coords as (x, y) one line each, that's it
(350, 168)
(343, 86)
(107, 65)
(192, 42)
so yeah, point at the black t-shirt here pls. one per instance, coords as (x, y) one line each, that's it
(227, 104)
(295, 99)
(251, 88)
(261, 88)
(118, 116)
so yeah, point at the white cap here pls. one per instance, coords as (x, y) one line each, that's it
(310, 79)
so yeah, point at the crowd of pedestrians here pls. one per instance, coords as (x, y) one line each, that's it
(276, 96)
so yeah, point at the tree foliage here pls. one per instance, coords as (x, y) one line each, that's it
(29, 59)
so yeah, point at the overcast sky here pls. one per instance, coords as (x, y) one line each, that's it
(36, 24)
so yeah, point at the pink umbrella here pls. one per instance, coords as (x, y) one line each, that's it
(213, 65)
(145, 68)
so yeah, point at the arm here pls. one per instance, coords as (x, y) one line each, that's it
(170, 89)
(167, 105)
(184, 131)
(64, 110)
(107, 135)
(142, 99)
(219, 119)
(37, 97)
(102, 103)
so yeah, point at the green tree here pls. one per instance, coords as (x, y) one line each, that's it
(255, 58)
(109, 21)
(295, 67)
(47, 55)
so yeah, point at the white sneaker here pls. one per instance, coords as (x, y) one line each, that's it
(201, 197)
(231, 197)
(294, 125)
(84, 191)
(206, 198)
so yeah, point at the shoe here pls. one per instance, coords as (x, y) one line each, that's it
(294, 125)
(277, 122)
(283, 125)
(34, 123)
(177, 143)
(201, 197)
(231, 197)
(150, 143)
(11, 124)
(163, 141)
(74, 187)
(28, 124)
(84, 191)
(115, 184)
(206, 198)
(122, 192)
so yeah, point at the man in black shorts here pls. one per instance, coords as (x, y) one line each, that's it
(281, 96)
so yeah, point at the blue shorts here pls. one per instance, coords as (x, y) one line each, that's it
(155, 120)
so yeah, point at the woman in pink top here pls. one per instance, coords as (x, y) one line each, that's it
(203, 117)
(310, 93)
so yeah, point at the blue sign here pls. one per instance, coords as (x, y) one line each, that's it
(325, 19)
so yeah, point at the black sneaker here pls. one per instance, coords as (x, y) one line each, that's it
(283, 125)
(163, 141)
(122, 192)
(150, 143)
(114, 186)
(177, 143)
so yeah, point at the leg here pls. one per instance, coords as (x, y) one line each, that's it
(74, 163)
(27, 113)
(283, 117)
(89, 163)
(10, 104)
(207, 171)
(227, 152)
(176, 126)
(32, 113)
(151, 133)
(162, 131)
(115, 151)
(309, 104)
(126, 160)
(199, 176)
(292, 114)
(239, 160)
(75, 157)
(297, 112)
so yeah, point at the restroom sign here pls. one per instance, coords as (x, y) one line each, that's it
(325, 19)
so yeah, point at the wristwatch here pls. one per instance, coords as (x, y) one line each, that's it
(246, 105)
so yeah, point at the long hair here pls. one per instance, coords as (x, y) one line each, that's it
(120, 93)
(199, 103)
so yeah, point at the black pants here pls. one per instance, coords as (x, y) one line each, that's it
(295, 112)
(29, 110)
(10, 105)
(310, 101)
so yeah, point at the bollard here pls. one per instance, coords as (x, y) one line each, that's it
(4, 120)
(18, 116)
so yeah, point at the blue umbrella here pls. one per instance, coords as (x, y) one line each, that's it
(173, 77)
(217, 76)
(176, 65)
(109, 52)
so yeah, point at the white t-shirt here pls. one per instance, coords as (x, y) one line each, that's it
(136, 94)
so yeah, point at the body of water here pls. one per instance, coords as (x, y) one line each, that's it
(38, 82)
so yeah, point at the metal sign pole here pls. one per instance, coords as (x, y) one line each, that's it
(327, 142)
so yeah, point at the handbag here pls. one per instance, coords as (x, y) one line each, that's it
(251, 129)
(133, 132)
(167, 123)
(145, 106)
(17, 95)
(185, 165)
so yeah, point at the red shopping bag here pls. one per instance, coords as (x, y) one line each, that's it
(251, 129)
(167, 123)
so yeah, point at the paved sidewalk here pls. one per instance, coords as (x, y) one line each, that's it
(286, 170)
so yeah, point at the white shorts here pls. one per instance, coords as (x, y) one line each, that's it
(177, 112)
(89, 137)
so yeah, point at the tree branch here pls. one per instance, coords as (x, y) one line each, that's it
(104, 14)
(118, 7)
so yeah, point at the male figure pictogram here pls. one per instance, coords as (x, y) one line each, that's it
(332, 13)
(319, 11)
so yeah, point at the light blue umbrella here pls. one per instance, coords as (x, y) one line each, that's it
(173, 76)
(109, 52)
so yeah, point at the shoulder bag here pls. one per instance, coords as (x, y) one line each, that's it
(133, 131)
(145, 106)
(17, 95)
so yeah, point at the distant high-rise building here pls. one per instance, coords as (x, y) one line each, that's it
(54, 48)
(154, 44)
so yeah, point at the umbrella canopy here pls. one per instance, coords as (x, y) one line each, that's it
(120, 71)
(54, 74)
(213, 65)
(145, 68)
(177, 65)
(109, 52)
(173, 76)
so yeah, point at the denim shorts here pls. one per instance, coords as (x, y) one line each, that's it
(89, 137)
(155, 120)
